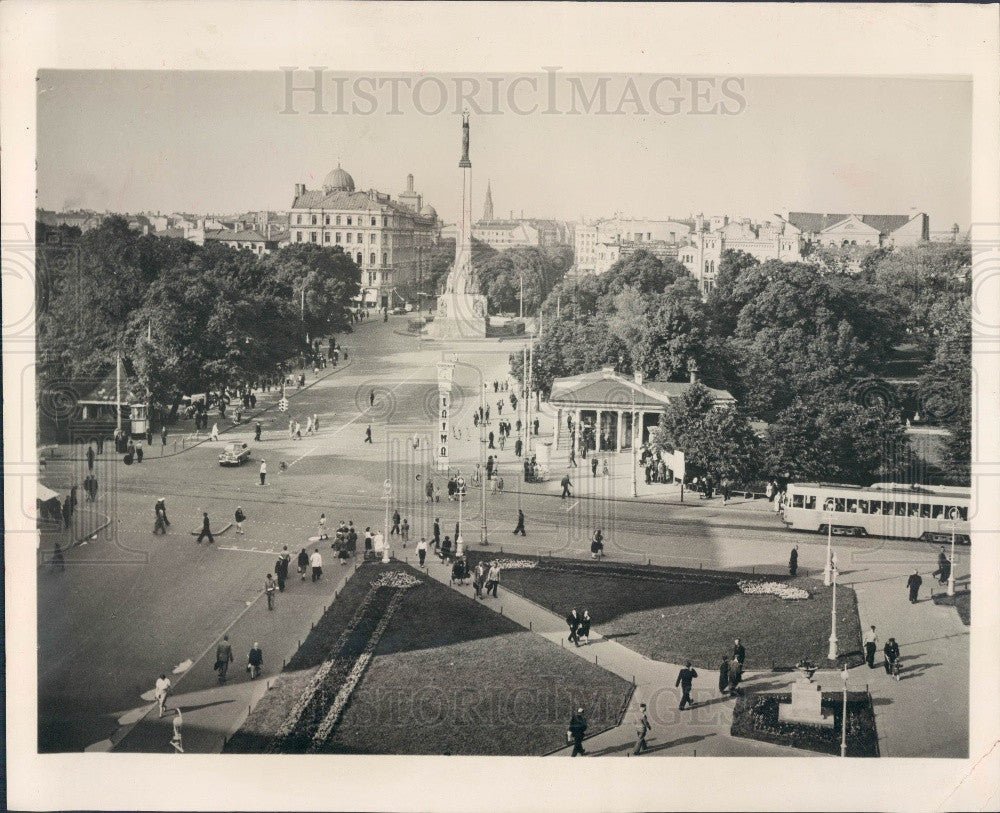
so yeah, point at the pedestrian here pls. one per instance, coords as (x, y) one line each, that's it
(573, 622)
(566, 483)
(316, 562)
(395, 522)
(161, 691)
(298, 431)
(871, 644)
(371, 397)
(291, 429)
(177, 740)
(138, 454)
(593, 466)
(518, 447)
(536, 426)
(322, 534)
(429, 490)
(100, 445)
(913, 585)
(684, 678)
(605, 471)
(206, 529)
(577, 727)
(404, 531)
(739, 651)
(270, 588)
(735, 677)
(256, 431)
(437, 532)
(642, 728)
(281, 568)
(584, 631)
(303, 562)
(255, 661)
(499, 483)
(263, 472)
(519, 528)
(161, 505)
(215, 431)
(163, 436)
(368, 434)
(90, 458)
(727, 490)
(223, 657)
(944, 568)
(67, 512)
(239, 516)
(572, 456)
(493, 578)
(491, 446)
(793, 561)
(159, 526)
(422, 550)
(369, 541)
(597, 545)
(309, 425)
(891, 655)
(724, 675)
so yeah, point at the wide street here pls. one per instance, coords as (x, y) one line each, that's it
(130, 606)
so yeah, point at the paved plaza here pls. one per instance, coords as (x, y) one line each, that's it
(130, 605)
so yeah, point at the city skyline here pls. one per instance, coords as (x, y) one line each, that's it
(218, 143)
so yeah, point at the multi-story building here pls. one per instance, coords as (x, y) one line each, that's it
(600, 245)
(390, 240)
(862, 230)
(523, 231)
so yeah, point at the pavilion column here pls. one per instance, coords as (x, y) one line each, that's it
(555, 438)
(578, 432)
(620, 427)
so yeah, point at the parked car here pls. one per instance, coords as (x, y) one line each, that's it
(235, 454)
(398, 311)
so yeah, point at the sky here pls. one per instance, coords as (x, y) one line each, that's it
(550, 144)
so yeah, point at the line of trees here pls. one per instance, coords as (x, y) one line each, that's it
(185, 318)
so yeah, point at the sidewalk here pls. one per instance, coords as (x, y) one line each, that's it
(212, 712)
(701, 731)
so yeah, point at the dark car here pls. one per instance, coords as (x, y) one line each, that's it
(235, 454)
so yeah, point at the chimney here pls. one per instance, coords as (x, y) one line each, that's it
(409, 182)
(638, 377)
(300, 189)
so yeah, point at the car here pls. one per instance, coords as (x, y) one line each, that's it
(398, 311)
(235, 454)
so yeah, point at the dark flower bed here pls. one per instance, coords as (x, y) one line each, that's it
(961, 601)
(755, 717)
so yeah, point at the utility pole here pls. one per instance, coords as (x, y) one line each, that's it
(482, 467)
(118, 389)
(635, 463)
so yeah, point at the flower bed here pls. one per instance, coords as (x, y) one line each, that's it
(755, 717)
(779, 589)
(961, 601)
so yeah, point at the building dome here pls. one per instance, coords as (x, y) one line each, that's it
(338, 181)
(429, 211)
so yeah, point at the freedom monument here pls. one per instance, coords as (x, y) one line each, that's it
(461, 309)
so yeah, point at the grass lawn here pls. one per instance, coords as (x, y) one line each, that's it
(755, 717)
(448, 676)
(961, 601)
(676, 615)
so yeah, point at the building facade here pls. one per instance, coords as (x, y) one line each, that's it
(390, 240)
(598, 246)
(836, 230)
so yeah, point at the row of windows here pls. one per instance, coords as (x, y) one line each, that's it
(313, 220)
(884, 507)
(313, 238)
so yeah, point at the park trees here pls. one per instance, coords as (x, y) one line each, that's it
(502, 275)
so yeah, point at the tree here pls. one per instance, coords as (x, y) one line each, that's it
(837, 441)
(946, 394)
(722, 304)
(716, 441)
(501, 277)
(643, 271)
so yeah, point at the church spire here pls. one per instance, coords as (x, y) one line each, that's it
(488, 205)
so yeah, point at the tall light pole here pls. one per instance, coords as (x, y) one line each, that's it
(951, 570)
(521, 310)
(832, 654)
(482, 469)
(843, 717)
(827, 568)
(387, 493)
(635, 462)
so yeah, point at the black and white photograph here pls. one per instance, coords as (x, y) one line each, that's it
(390, 389)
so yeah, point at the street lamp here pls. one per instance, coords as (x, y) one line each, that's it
(827, 568)
(843, 717)
(387, 493)
(951, 570)
(635, 463)
(832, 654)
(461, 493)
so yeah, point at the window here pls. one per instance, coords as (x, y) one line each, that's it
(326, 237)
(373, 221)
(337, 237)
(937, 511)
(385, 221)
(314, 220)
(326, 220)
(312, 237)
(796, 501)
(385, 258)
(338, 220)
(371, 258)
(852, 506)
(925, 512)
(373, 237)
(298, 220)
(349, 236)
(839, 504)
(298, 237)
(810, 501)
(360, 258)
(900, 510)
(361, 237)
(348, 220)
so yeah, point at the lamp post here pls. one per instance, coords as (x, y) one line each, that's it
(829, 544)
(635, 462)
(387, 493)
(843, 717)
(460, 482)
(832, 654)
(951, 570)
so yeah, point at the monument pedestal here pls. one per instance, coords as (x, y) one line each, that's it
(806, 706)
(460, 316)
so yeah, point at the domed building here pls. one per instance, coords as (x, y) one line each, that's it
(390, 240)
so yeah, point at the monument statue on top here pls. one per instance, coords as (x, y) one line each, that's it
(461, 311)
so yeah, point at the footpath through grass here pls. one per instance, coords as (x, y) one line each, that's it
(673, 615)
(448, 676)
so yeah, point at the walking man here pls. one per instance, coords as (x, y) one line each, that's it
(684, 678)
(239, 516)
(793, 561)
(368, 434)
(395, 522)
(739, 652)
(871, 644)
(90, 458)
(573, 622)
(206, 529)
(223, 657)
(316, 562)
(281, 568)
(429, 490)
(519, 529)
(270, 588)
(422, 550)
(913, 585)
(161, 691)
(642, 727)
(593, 465)
(437, 532)
(255, 661)
(493, 579)
(572, 455)
(163, 436)
(215, 431)
(256, 432)
(577, 728)
(565, 487)
(404, 531)
(263, 471)
(303, 563)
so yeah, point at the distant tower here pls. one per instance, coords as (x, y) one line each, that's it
(488, 206)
